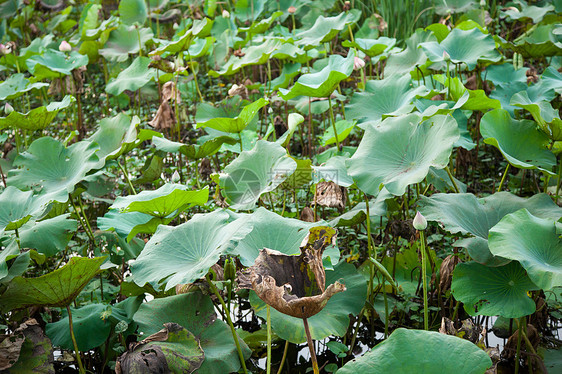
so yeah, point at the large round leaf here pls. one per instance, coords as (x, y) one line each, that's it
(125, 40)
(411, 57)
(54, 64)
(254, 173)
(15, 85)
(252, 55)
(53, 169)
(195, 312)
(133, 77)
(184, 253)
(464, 46)
(133, 12)
(238, 123)
(324, 82)
(493, 291)
(48, 236)
(192, 151)
(115, 136)
(324, 29)
(37, 118)
(371, 47)
(399, 152)
(422, 352)
(533, 242)
(392, 96)
(467, 214)
(519, 141)
(17, 207)
(57, 288)
(332, 320)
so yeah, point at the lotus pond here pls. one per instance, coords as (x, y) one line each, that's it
(284, 186)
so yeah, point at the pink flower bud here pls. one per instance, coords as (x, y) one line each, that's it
(225, 14)
(420, 223)
(3, 49)
(64, 46)
(358, 63)
(292, 10)
(8, 108)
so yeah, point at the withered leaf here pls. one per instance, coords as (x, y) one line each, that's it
(294, 285)
(330, 195)
(446, 272)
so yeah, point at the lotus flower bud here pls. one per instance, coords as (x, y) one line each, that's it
(482, 3)
(420, 223)
(229, 270)
(225, 13)
(358, 63)
(64, 46)
(292, 10)
(176, 177)
(8, 108)
(446, 56)
(3, 49)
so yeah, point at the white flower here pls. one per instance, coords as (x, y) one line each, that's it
(446, 56)
(64, 46)
(358, 63)
(420, 223)
(8, 108)
(225, 13)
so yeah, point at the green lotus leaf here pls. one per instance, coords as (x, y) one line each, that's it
(127, 225)
(520, 142)
(504, 74)
(35, 119)
(201, 47)
(57, 288)
(325, 29)
(552, 359)
(332, 320)
(183, 254)
(133, 12)
(442, 182)
(543, 113)
(535, 13)
(270, 230)
(493, 291)
(464, 46)
(254, 173)
(195, 312)
(324, 82)
(54, 64)
(249, 10)
(400, 151)
(445, 7)
(51, 168)
(392, 96)
(48, 236)
(92, 323)
(261, 26)
(343, 129)
(289, 71)
(358, 214)
(411, 57)
(168, 200)
(200, 28)
(125, 40)
(533, 242)
(293, 120)
(467, 214)
(116, 136)
(371, 47)
(476, 100)
(173, 348)
(238, 123)
(17, 207)
(423, 352)
(192, 151)
(333, 170)
(136, 76)
(539, 42)
(253, 55)
(17, 84)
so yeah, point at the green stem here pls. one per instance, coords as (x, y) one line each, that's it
(85, 218)
(284, 356)
(424, 280)
(558, 180)
(452, 179)
(503, 177)
(333, 123)
(76, 351)
(126, 175)
(240, 137)
(518, 352)
(311, 347)
(385, 309)
(194, 78)
(448, 83)
(89, 233)
(268, 338)
(370, 250)
(229, 320)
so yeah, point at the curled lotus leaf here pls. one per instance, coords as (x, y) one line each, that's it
(294, 285)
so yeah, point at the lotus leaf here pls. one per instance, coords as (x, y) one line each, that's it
(238, 123)
(136, 76)
(48, 236)
(400, 150)
(261, 26)
(127, 225)
(535, 13)
(467, 214)
(36, 353)
(539, 41)
(54, 64)
(193, 151)
(53, 169)
(254, 173)
(184, 253)
(542, 112)
(519, 141)
(504, 74)
(35, 119)
(325, 29)
(324, 82)
(116, 136)
(18, 207)
(533, 242)
(57, 288)
(411, 57)
(125, 40)
(493, 291)
(464, 46)
(133, 12)
(195, 312)
(371, 47)
(333, 170)
(423, 352)
(200, 28)
(17, 84)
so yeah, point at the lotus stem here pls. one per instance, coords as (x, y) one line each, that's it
(76, 351)
(370, 249)
(518, 352)
(268, 338)
(311, 347)
(503, 177)
(240, 138)
(126, 175)
(333, 123)
(456, 188)
(385, 308)
(557, 181)
(84, 226)
(284, 356)
(194, 77)
(229, 320)
(424, 279)
(354, 338)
